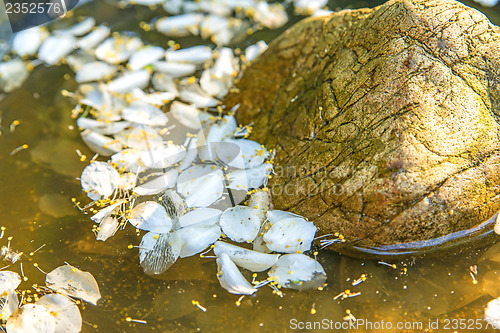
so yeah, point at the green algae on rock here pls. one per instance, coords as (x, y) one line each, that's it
(385, 121)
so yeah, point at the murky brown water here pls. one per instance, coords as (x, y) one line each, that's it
(37, 184)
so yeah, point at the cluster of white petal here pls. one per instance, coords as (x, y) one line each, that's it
(52, 312)
(178, 163)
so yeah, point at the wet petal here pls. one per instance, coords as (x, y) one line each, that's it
(298, 271)
(230, 278)
(13, 73)
(191, 55)
(101, 144)
(93, 39)
(32, 318)
(290, 235)
(27, 42)
(163, 157)
(197, 237)
(244, 258)
(65, 312)
(56, 47)
(201, 185)
(71, 281)
(9, 304)
(150, 216)
(192, 93)
(159, 184)
(492, 312)
(8, 281)
(251, 154)
(203, 216)
(107, 228)
(157, 252)
(240, 223)
(105, 212)
(118, 49)
(187, 115)
(81, 28)
(253, 51)
(93, 71)
(174, 69)
(247, 179)
(102, 127)
(100, 177)
(144, 113)
(129, 81)
(145, 56)
(179, 25)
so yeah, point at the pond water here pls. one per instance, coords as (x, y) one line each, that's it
(37, 184)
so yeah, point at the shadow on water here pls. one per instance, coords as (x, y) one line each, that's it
(37, 184)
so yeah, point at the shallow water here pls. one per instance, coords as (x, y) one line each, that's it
(37, 184)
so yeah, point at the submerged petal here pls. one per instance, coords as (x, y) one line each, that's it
(71, 281)
(298, 271)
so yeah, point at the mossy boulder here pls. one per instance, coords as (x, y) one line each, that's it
(385, 121)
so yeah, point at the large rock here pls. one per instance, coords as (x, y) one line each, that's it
(385, 120)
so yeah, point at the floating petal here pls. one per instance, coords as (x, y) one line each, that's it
(150, 216)
(192, 55)
(9, 281)
(56, 47)
(157, 252)
(230, 278)
(187, 115)
(240, 223)
(201, 185)
(101, 144)
(81, 28)
(118, 49)
(94, 71)
(179, 25)
(13, 73)
(65, 312)
(94, 38)
(102, 127)
(107, 228)
(144, 113)
(145, 56)
(71, 281)
(32, 318)
(174, 69)
(27, 42)
(197, 237)
(129, 81)
(200, 216)
(298, 271)
(164, 156)
(290, 235)
(247, 179)
(253, 51)
(100, 177)
(244, 258)
(159, 184)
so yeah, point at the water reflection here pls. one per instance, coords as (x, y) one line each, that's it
(36, 187)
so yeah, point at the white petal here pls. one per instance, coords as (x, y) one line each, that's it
(9, 281)
(65, 312)
(144, 113)
(129, 159)
(260, 200)
(105, 212)
(143, 137)
(187, 115)
(94, 71)
(150, 216)
(244, 258)
(129, 81)
(127, 181)
(174, 69)
(191, 55)
(251, 155)
(240, 223)
(203, 216)
(27, 42)
(145, 56)
(247, 179)
(271, 16)
(56, 47)
(298, 271)
(230, 278)
(308, 6)
(13, 73)
(164, 82)
(32, 318)
(218, 132)
(93, 39)
(116, 50)
(275, 216)
(163, 157)
(173, 7)
(155, 98)
(201, 186)
(196, 238)
(158, 184)
(10, 304)
(157, 252)
(192, 93)
(98, 143)
(253, 51)
(107, 228)
(102, 127)
(212, 24)
(79, 29)
(492, 312)
(101, 177)
(173, 203)
(180, 25)
(71, 281)
(290, 235)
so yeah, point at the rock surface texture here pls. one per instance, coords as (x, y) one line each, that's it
(385, 121)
